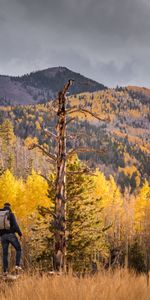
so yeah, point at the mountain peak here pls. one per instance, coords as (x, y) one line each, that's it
(42, 85)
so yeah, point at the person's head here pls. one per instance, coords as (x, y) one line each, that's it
(7, 205)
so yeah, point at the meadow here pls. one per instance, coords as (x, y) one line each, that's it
(118, 285)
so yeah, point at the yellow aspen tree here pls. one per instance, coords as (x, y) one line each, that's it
(36, 192)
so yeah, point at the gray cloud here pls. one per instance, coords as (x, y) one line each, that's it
(107, 40)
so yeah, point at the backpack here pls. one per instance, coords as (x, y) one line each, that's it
(4, 220)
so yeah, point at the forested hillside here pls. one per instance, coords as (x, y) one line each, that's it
(126, 137)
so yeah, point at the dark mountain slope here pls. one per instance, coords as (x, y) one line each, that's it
(43, 85)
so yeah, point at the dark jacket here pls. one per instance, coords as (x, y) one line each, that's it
(14, 227)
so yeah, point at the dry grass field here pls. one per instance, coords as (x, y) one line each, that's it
(106, 286)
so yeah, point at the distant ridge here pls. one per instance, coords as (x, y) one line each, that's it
(40, 86)
(141, 93)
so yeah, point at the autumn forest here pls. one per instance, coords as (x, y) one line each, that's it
(108, 191)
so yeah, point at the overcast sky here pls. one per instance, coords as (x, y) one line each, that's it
(106, 40)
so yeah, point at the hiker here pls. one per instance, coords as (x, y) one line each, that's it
(8, 228)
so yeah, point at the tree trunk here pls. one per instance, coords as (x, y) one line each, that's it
(60, 202)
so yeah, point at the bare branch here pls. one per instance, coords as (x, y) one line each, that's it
(70, 109)
(70, 120)
(84, 150)
(52, 156)
(48, 181)
(86, 111)
(46, 210)
(49, 160)
(48, 132)
(66, 87)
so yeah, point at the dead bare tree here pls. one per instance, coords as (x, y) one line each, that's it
(60, 159)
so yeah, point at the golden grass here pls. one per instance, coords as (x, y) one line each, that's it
(105, 286)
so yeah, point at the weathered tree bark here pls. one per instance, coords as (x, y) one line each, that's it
(60, 201)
